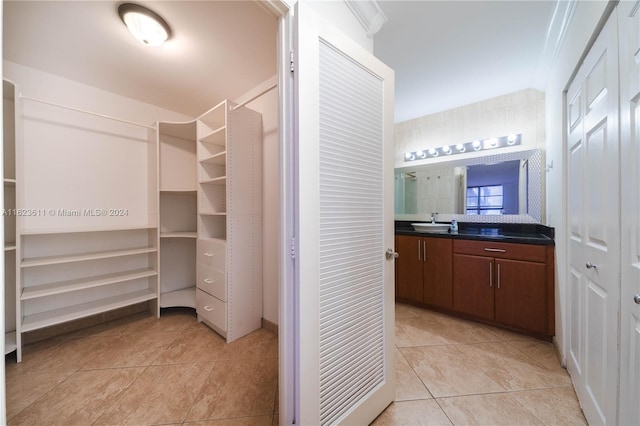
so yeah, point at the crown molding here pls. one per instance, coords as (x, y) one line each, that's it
(369, 14)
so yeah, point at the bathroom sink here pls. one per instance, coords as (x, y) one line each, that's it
(430, 227)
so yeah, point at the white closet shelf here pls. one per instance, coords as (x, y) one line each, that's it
(55, 260)
(9, 181)
(185, 297)
(10, 342)
(216, 116)
(222, 180)
(178, 191)
(9, 246)
(82, 230)
(219, 159)
(69, 313)
(185, 234)
(84, 283)
(222, 240)
(206, 213)
(216, 137)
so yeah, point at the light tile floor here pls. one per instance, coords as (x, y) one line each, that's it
(451, 371)
(141, 370)
(173, 370)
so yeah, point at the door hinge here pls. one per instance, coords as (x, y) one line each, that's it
(292, 248)
(291, 63)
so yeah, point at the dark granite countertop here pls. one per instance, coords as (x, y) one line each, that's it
(499, 232)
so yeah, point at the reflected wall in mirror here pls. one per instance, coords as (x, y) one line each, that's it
(492, 186)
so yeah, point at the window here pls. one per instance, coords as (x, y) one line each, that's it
(483, 200)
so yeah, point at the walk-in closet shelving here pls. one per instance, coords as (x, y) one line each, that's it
(178, 217)
(87, 237)
(70, 275)
(229, 247)
(10, 216)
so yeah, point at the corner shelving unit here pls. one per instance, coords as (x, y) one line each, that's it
(229, 246)
(10, 220)
(178, 218)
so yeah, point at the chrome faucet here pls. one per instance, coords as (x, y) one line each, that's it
(434, 216)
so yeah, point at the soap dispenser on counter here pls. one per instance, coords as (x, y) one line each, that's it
(454, 227)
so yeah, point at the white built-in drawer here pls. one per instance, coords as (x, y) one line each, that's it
(211, 309)
(212, 281)
(212, 253)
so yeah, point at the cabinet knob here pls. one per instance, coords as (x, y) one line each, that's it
(636, 299)
(391, 254)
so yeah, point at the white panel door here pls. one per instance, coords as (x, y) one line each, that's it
(593, 213)
(629, 32)
(345, 288)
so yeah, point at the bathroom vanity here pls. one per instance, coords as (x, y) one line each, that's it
(500, 274)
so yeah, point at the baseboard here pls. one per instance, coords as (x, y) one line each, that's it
(270, 326)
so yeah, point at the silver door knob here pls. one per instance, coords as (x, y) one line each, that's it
(636, 299)
(391, 254)
(590, 265)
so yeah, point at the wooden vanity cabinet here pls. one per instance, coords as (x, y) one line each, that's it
(511, 284)
(423, 270)
(473, 286)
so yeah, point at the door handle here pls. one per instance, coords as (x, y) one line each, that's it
(208, 308)
(491, 274)
(391, 254)
(208, 280)
(208, 254)
(636, 299)
(590, 265)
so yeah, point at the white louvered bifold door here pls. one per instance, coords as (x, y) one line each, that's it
(345, 181)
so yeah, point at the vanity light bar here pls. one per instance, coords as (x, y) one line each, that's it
(477, 145)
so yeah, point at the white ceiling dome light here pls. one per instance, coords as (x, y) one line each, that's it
(144, 24)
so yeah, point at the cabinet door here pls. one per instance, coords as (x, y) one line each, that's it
(438, 290)
(521, 294)
(409, 266)
(473, 285)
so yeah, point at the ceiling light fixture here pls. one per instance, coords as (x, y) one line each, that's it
(145, 25)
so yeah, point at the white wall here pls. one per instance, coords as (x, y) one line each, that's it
(74, 161)
(39, 84)
(520, 112)
(267, 105)
(583, 24)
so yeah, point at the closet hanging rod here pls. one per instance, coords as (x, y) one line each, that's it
(21, 96)
(273, 86)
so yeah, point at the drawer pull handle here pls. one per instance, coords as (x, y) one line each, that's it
(208, 254)
(208, 281)
(208, 308)
(495, 250)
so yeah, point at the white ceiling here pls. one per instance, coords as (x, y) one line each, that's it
(445, 53)
(218, 49)
(452, 53)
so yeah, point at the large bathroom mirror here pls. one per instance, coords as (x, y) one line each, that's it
(503, 186)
